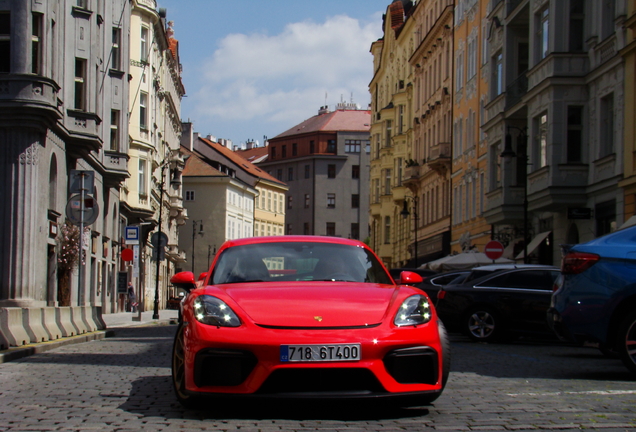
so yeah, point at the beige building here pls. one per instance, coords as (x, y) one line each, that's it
(151, 197)
(470, 152)
(428, 173)
(391, 135)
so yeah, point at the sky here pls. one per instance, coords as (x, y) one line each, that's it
(255, 68)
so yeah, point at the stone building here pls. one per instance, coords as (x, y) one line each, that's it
(63, 73)
(555, 113)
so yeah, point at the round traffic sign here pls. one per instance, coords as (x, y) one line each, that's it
(127, 254)
(494, 249)
(75, 209)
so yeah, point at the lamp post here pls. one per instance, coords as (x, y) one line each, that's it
(194, 232)
(405, 214)
(507, 154)
(174, 181)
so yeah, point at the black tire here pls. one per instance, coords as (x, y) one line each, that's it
(483, 324)
(626, 344)
(178, 371)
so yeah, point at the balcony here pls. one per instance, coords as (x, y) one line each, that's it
(516, 90)
(116, 163)
(440, 158)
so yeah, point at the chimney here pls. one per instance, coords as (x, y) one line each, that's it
(323, 110)
(186, 135)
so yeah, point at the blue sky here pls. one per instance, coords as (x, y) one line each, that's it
(255, 68)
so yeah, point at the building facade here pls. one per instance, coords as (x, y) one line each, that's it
(152, 197)
(62, 73)
(470, 230)
(324, 162)
(553, 126)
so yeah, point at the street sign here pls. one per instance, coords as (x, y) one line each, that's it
(74, 209)
(131, 235)
(79, 180)
(127, 254)
(494, 249)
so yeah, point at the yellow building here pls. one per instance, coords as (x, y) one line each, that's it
(391, 134)
(629, 162)
(470, 152)
(428, 172)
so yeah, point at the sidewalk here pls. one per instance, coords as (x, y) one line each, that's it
(112, 321)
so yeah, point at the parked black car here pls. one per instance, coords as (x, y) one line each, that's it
(499, 301)
(427, 285)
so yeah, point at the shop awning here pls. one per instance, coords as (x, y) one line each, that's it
(536, 241)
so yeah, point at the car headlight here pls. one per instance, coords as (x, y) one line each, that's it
(414, 311)
(213, 311)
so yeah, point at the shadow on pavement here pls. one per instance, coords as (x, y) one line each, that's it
(153, 397)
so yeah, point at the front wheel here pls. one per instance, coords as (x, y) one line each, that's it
(482, 324)
(178, 370)
(626, 345)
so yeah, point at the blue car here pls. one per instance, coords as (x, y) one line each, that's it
(595, 296)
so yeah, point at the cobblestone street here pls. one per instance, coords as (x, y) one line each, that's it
(123, 383)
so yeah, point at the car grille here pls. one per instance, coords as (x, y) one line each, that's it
(417, 365)
(215, 367)
(321, 380)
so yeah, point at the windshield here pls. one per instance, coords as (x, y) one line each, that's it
(298, 261)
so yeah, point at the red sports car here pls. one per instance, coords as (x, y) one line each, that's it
(306, 317)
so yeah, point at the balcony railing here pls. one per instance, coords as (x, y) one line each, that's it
(439, 157)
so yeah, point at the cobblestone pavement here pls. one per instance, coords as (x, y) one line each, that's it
(122, 383)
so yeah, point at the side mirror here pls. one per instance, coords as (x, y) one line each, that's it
(409, 278)
(202, 276)
(184, 280)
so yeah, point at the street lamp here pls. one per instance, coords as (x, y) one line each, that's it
(405, 214)
(175, 182)
(194, 232)
(507, 154)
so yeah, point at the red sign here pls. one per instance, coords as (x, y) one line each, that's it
(494, 249)
(127, 254)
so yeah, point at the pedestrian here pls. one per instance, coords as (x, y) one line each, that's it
(132, 298)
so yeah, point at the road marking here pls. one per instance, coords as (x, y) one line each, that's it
(589, 392)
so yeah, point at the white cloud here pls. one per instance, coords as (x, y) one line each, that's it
(283, 78)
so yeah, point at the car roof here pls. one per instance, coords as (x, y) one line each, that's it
(294, 238)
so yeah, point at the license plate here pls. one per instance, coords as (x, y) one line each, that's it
(320, 353)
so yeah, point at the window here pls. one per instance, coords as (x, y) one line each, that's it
(290, 174)
(331, 146)
(331, 200)
(36, 44)
(279, 174)
(273, 152)
(269, 201)
(294, 149)
(459, 72)
(471, 68)
(387, 229)
(189, 195)
(400, 124)
(607, 125)
(116, 49)
(497, 74)
(355, 171)
(543, 34)
(143, 189)
(5, 42)
(387, 131)
(541, 140)
(495, 166)
(331, 171)
(82, 4)
(114, 130)
(605, 215)
(284, 151)
(143, 110)
(355, 231)
(290, 199)
(307, 201)
(608, 16)
(307, 171)
(289, 229)
(331, 229)
(577, 25)
(575, 134)
(312, 147)
(352, 146)
(80, 84)
(144, 44)
(306, 229)
(355, 201)
(387, 182)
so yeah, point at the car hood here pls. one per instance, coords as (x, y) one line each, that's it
(313, 304)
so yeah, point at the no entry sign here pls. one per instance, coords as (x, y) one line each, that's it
(494, 249)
